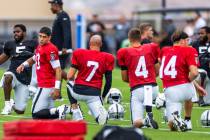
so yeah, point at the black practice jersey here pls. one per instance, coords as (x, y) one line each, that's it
(20, 52)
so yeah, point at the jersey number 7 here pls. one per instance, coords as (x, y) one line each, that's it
(95, 67)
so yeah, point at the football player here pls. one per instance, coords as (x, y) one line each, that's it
(178, 69)
(91, 65)
(18, 51)
(48, 72)
(139, 64)
(202, 45)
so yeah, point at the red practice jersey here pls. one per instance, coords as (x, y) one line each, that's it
(139, 62)
(44, 70)
(91, 65)
(175, 62)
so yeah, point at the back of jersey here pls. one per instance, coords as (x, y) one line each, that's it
(175, 62)
(140, 63)
(91, 66)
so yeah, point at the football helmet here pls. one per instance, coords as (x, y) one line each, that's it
(116, 111)
(114, 96)
(160, 101)
(205, 118)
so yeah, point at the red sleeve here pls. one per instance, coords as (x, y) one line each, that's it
(192, 57)
(110, 62)
(156, 51)
(52, 53)
(121, 57)
(74, 58)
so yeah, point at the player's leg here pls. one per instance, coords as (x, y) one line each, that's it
(96, 108)
(33, 84)
(42, 103)
(150, 93)
(201, 80)
(174, 97)
(75, 108)
(20, 98)
(7, 82)
(137, 108)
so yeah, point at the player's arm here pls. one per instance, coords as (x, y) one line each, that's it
(124, 75)
(201, 90)
(108, 84)
(56, 66)
(193, 72)
(66, 27)
(27, 63)
(71, 73)
(3, 58)
(157, 67)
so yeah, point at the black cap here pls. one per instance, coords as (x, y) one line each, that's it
(60, 2)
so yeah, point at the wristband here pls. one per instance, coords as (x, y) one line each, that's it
(57, 84)
(25, 64)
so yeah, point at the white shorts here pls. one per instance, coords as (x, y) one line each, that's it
(138, 102)
(21, 91)
(42, 99)
(175, 96)
(94, 103)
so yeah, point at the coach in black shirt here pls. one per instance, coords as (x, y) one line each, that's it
(61, 31)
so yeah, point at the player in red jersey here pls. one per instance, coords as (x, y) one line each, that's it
(91, 66)
(138, 67)
(48, 72)
(178, 69)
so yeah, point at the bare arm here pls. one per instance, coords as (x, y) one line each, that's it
(3, 58)
(157, 67)
(193, 72)
(27, 63)
(58, 72)
(124, 74)
(200, 89)
(71, 73)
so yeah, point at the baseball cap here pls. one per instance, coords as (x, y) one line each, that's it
(60, 2)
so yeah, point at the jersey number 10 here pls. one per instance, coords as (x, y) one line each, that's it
(169, 69)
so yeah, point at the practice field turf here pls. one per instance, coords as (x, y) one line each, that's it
(198, 133)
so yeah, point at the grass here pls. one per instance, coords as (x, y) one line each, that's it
(163, 133)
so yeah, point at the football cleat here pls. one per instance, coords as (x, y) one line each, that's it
(62, 111)
(149, 121)
(103, 116)
(179, 122)
(8, 107)
(77, 114)
(189, 124)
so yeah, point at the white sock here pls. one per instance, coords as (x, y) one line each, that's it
(53, 111)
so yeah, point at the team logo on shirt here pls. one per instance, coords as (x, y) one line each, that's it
(52, 56)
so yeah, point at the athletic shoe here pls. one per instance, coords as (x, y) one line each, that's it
(103, 116)
(63, 110)
(189, 124)
(77, 114)
(179, 122)
(149, 121)
(7, 108)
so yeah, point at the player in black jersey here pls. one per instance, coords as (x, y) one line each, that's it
(202, 45)
(18, 51)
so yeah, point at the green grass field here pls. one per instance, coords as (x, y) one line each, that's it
(161, 134)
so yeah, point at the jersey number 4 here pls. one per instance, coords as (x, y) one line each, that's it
(95, 67)
(141, 69)
(169, 69)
